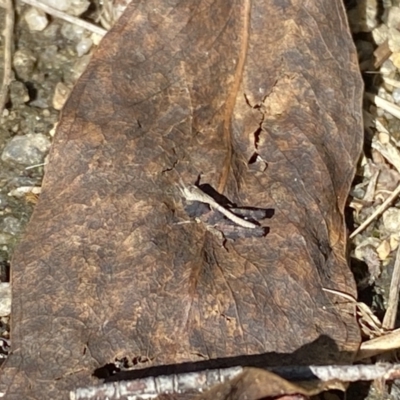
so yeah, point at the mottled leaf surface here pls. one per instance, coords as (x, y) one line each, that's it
(262, 101)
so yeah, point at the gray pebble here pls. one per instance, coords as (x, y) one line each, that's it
(28, 149)
(24, 63)
(18, 93)
(11, 225)
(5, 298)
(6, 239)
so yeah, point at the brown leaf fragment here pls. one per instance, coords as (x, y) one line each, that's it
(255, 384)
(260, 98)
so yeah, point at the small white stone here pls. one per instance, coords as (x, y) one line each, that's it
(394, 40)
(5, 299)
(395, 58)
(96, 38)
(71, 7)
(24, 190)
(80, 66)
(52, 131)
(387, 68)
(84, 46)
(393, 18)
(394, 241)
(36, 19)
(11, 225)
(383, 250)
(24, 62)
(383, 137)
(372, 12)
(78, 7)
(382, 92)
(72, 32)
(380, 34)
(396, 95)
(391, 220)
(5, 239)
(61, 95)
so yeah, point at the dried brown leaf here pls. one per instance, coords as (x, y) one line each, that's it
(263, 99)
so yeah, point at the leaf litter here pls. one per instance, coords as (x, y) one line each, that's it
(387, 150)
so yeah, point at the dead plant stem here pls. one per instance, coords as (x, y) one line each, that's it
(377, 212)
(391, 311)
(8, 43)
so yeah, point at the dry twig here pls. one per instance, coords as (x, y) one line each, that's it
(377, 212)
(152, 387)
(389, 151)
(384, 104)
(391, 311)
(369, 323)
(73, 20)
(391, 81)
(374, 347)
(8, 43)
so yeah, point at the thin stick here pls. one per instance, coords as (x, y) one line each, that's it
(66, 17)
(377, 212)
(152, 387)
(391, 311)
(8, 42)
(194, 193)
(379, 345)
(384, 104)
